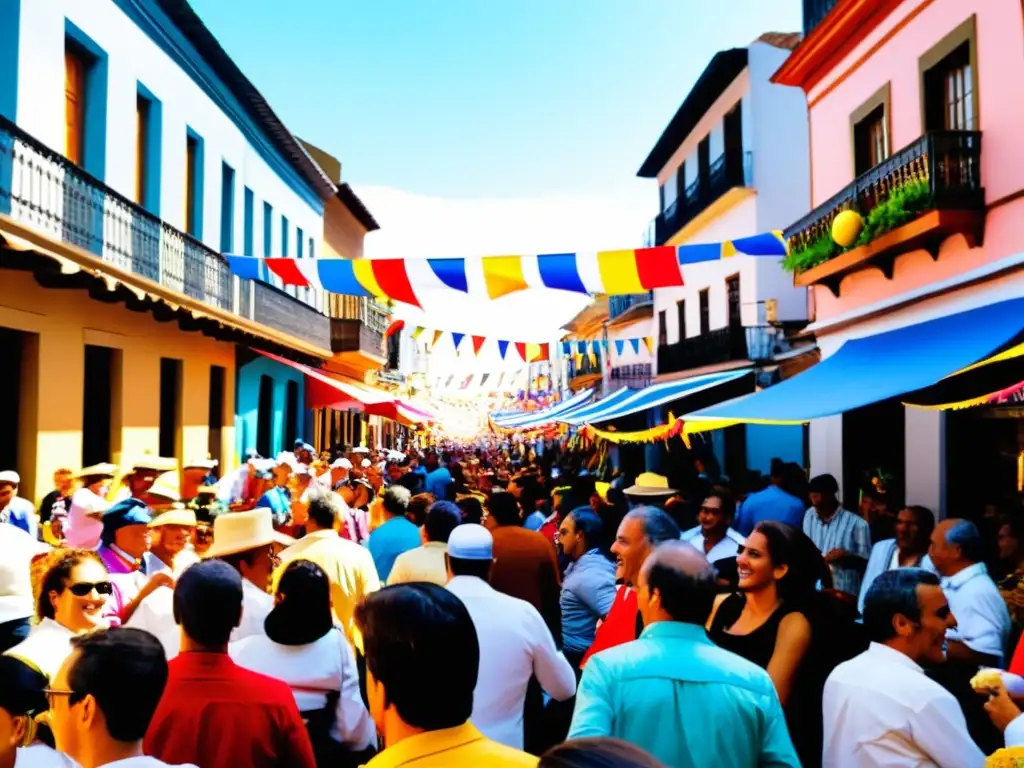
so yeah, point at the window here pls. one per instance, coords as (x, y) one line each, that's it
(870, 124)
(214, 444)
(170, 406)
(662, 329)
(291, 413)
(299, 242)
(227, 208)
(148, 119)
(75, 67)
(732, 291)
(284, 237)
(705, 311)
(265, 416)
(248, 214)
(950, 88)
(681, 315)
(268, 230)
(194, 185)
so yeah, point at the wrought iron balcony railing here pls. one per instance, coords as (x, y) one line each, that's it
(44, 190)
(718, 346)
(635, 376)
(619, 305)
(734, 169)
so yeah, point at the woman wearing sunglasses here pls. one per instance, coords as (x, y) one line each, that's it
(72, 599)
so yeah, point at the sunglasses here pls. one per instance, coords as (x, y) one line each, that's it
(84, 588)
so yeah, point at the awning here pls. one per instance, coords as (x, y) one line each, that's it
(565, 415)
(874, 368)
(510, 421)
(580, 415)
(324, 390)
(660, 394)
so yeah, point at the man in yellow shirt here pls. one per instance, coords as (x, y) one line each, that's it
(349, 566)
(422, 657)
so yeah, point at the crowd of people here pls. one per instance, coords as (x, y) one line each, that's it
(505, 602)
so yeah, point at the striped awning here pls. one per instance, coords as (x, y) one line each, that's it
(518, 419)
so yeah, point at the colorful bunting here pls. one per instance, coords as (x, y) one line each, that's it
(649, 343)
(636, 346)
(478, 342)
(437, 335)
(457, 339)
(503, 348)
(418, 331)
(620, 346)
(610, 272)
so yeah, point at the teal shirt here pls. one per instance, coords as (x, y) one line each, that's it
(686, 701)
(391, 539)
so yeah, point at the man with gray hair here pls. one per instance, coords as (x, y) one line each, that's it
(983, 622)
(724, 708)
(881, 709)
(641, 530)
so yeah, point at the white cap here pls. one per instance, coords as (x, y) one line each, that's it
(471, 542)
(10, 476)
(341, 463)
(365, 463)
(287, 458)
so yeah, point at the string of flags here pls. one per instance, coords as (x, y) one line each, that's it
(529, 352)
(617, 272)
(591, 347)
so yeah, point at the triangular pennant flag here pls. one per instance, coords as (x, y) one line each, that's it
(503, 348)
(478, 342)
(457, 339)
(592, 356)
(418, 331)
(604, 345)
(468, 381)
(636, 345)
(578, 359)
(545, 352)
(448, 383)
(501, 378)
(437, 335)
(521, 349)
(649, 343)
(620, 346)
(581, 347)
(566, 347)
(484, 377)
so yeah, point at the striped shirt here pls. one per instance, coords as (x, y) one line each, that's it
(844, 530)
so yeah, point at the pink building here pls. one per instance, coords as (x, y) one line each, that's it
(915, 123)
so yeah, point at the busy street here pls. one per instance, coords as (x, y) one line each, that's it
(596, 385)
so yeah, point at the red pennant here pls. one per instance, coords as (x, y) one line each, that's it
(478, 342)
(521, 349)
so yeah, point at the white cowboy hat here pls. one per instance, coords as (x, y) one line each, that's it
(241, 531)
(650, 484)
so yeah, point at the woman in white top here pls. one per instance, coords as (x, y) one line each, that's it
(72, 599)
(304, 648)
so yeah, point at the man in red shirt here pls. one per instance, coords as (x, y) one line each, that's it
(213, 713)
(641, 530)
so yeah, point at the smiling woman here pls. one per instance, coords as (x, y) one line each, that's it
(71, 598)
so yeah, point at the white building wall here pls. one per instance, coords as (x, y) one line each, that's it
(134, 58)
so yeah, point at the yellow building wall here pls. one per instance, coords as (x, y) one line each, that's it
(61, 323)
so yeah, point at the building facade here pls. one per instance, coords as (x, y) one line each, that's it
(133, 155)
(916, 97)
(732, 162)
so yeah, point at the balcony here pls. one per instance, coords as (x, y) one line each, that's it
(916, 199)
(636, 376)
(712, 348)
(352, 337)
(586, 374)
(727, 172)
(626, 309)
(44, 191)
(815, 11)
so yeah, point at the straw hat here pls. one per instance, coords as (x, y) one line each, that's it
(241, 531)
(184, 517)
(651, 484)
(97, 470)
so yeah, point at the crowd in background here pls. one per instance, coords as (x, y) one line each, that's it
(506, 602)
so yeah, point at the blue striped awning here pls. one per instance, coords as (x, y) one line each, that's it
(658, 394)
(874, 368)
(523, 418)
(581, 415)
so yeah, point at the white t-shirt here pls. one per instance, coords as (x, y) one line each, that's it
(41, 756)
(17, 549)
(82, 531)
(45, 648)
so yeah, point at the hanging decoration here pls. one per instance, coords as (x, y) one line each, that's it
(394, 328)
(478, 342)
(437, 336)
(456, 339)
(591, 348)
(605, 272)
(661, 432)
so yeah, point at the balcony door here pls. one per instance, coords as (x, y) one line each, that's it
(662, 329)
(704, 166)
(75, 68)
(681, 317)
(732, 289)
(705, 312)
(733, 133)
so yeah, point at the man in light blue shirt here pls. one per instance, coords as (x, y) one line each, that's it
(438, 478)
(673, 692)
(396, 535)
(772, 504)
(588, 587)
(914, 526)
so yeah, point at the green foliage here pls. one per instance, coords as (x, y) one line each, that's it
(902, 206)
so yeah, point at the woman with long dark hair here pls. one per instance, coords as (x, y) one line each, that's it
(304, 648)
(769, 621)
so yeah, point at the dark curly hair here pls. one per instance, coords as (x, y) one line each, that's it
(58, 567)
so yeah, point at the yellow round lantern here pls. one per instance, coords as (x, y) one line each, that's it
(846, 228)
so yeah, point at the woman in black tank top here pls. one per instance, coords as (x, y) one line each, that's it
(766, 622)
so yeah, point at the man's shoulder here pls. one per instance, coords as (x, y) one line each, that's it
(499, 753)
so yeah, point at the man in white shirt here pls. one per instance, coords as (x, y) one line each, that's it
(879, 709)
(909, 549)
(515, 643)
(104, 696)
(714, 537)
(982, 619)
(246, 541)
(17, 548)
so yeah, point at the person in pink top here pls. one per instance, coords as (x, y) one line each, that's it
(84, 525)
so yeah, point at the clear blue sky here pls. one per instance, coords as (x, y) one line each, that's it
(484, 98)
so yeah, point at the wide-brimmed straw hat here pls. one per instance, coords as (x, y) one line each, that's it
(651, 484)
(241, 531)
